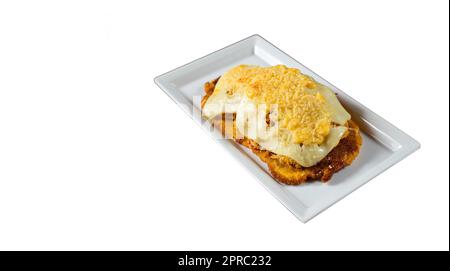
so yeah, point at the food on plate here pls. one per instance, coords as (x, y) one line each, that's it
(294, 124)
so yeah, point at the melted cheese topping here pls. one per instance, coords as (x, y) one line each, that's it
(301, 111)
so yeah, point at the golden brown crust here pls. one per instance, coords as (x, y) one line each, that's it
(286, 170)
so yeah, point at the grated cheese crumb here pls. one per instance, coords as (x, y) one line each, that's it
(302, 116)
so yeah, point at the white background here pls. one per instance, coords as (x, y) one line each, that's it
(93, 155)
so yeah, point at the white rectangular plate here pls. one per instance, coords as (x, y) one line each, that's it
(383, 144)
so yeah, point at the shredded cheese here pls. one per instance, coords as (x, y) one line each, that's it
(302, 117)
